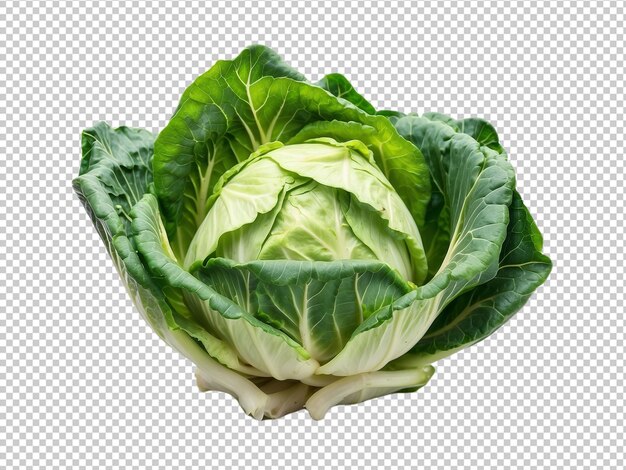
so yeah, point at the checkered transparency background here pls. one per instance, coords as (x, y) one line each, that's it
(84, 383)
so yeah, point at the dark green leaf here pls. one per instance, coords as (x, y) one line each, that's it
(318, 304)
(339, 86)
(478, 313)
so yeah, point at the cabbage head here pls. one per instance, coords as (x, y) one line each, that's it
(302, 249)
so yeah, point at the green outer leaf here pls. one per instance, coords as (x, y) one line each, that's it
(249, 101)
(115, 168)
(118, 162)
(478, 183)
(440, 117)
(260, 345)
(436, 230)
(110, 153)
(111, 229)
(318, 304)
(479, 129)
(124, 146)
(339, 86)
(481, 311)
(482, 131)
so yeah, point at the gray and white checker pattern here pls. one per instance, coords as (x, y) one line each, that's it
(84, 383)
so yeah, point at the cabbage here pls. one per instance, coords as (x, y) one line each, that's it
(303, 249)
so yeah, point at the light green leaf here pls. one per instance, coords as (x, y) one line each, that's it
(255, 189)
(396, 249)
(314, 181)
(401, 163)
(247, 242)
(349, 167)
(296, 233)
